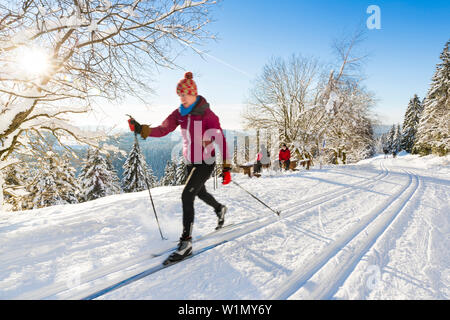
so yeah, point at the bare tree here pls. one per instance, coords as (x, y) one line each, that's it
(283, 98)
(349, 63)
(294, 98)
(58, 57)
(348, 129)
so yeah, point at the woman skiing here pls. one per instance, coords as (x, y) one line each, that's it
(200, 129)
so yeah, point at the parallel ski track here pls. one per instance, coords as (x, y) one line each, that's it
(374, 224)
(237, 233)
(146, 273)
(233, 233)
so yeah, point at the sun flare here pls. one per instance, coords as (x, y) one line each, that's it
(33, 61)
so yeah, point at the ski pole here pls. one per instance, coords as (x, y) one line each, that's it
(277, 212)
(148, 187)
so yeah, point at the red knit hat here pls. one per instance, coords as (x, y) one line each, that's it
(187, 85)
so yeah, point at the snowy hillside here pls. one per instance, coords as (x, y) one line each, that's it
(375, 230)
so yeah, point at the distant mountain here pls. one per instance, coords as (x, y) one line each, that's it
(157, 151)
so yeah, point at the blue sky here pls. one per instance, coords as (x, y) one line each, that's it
(403, 53)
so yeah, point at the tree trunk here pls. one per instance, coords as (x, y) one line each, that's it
(257, 141)
(247, 149)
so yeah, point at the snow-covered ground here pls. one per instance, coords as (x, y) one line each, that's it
(378, 229)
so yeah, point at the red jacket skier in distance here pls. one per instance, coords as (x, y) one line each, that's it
(285, 154)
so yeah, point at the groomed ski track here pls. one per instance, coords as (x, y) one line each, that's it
(373, 225)
(329, 267)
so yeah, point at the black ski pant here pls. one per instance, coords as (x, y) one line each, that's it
(286, 164)
(198, 174)
(257, 167)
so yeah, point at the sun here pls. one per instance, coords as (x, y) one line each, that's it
(33, 61)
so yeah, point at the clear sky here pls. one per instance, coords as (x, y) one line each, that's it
(403, 53)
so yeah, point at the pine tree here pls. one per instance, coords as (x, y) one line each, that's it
(66, 181)
(152, 180)
(116, 188)
(45, 191)
(54, 182)
(393, 139)
(181, 173)
(135, 172)
(83, 175)
(367, 148)
(390, 141)
(397, 139)
(169, 178)
(96, 180)
(410, 123)
(433, 133)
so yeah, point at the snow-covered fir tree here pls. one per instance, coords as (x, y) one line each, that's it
(136, 172)
(410, 123)
(83, 172)
(366, 147)
(181, 173)
(45, 191)
(397, 140)
(53, 182)
(390, 139)
(116, 188)
(169, 178)
(433, 132)
(66, 181)
(96, 180)
(152, 179)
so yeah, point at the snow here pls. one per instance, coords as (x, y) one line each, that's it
(8, 115)
(378, 229)
(186, 4)
(334, 97)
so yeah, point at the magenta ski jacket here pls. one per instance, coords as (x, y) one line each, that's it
(200, 130)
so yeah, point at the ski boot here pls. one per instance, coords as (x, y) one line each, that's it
(183, 251)
(221, 217)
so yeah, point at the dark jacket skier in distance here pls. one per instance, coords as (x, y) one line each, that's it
(200, 128)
